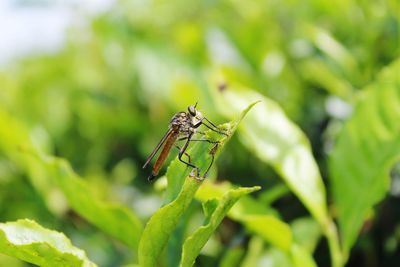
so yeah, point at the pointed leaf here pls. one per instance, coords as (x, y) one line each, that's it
(28, 241)
(182, 189)
(195, 242)
(257, 218)
(365, 150)
(278, 141)
(49, 173)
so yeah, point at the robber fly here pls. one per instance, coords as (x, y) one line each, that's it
(183, 126)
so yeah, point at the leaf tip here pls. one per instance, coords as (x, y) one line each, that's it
(245, 111)
(253, 189)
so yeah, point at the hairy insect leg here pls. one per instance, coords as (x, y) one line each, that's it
(205, 140)
(199, 140)
(183, 151)
(214, 129)
(212, 153)
(217, 129)
(186, 154)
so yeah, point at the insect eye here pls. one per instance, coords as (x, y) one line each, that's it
(192, 110)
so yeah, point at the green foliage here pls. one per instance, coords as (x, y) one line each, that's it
(113, 219)
(48, 174)
(266, 224)
(277, 141)
(256, 245)
(77, 124)
(366, 150)
(195, 242)
(28, 241)
(253, 215)
(161, 225)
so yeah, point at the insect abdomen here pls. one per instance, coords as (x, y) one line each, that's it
(163, 155)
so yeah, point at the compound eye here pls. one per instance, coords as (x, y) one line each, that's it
(192, 110)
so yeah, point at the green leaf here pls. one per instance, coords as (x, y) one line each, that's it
(365, 150)
(209, 207)
(257, 218)
(49, 173)
(306, 233)
(163, 222)
(269, 228)
(28, 241)
(274, 193)
(300, 257)
(255, 248)
(160, 226)
(195, 242)
(275, 258)
(232, 256)
(114, 219)
(278, 141)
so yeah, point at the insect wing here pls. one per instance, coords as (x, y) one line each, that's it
(155, 150)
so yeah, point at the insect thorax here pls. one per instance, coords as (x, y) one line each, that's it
(182, 120)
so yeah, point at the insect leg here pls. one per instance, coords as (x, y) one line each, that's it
(215, 127)
(196, 140)
(182, 152)
(182, 138)
(212, 153)
(205, 140)
(217, 130)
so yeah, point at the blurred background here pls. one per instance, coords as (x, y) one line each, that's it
(97, 81)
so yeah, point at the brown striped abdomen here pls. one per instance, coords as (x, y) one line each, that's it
(164, 152)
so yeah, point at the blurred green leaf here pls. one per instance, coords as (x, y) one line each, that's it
(113, 219)
(195, 242)
(306, 233)
(257, 218)
(275, 258)
(279, 142)
(232, 257)
(365, 151)
(316, 71)
(161, 225)
(28, 241)
(47, 172)
(300, 257)
(272, 194)
(254, 251)
(269, 228)
(332, 48)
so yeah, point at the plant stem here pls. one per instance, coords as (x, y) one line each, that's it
(331, 234)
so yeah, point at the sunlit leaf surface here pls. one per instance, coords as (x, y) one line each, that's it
(28, 241)
(365, 151)
(279, 142)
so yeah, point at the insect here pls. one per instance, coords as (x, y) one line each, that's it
(183, 126)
